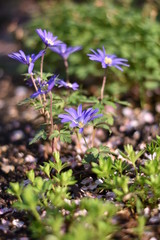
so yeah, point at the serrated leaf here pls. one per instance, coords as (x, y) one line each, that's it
(94, 151)
(41, 134)
(104, 149)
(54, 134)
(25, 101)
(104, 126)
(65, 136)
(109, 103)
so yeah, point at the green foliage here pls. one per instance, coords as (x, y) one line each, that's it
(131, 155)
(92, 215)
(15, 189)
(93, 154)
(139, 230)
(124, 31)
(40, 134)
(104, 168)
(64, 135)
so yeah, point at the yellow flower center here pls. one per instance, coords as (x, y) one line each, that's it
(81, 124)
(50, 42)
(69, 85)
(30, 60)
(108, 60)
(45, 87)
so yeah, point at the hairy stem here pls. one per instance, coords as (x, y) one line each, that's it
(85, 142)
(51, 120)
(44, 96)
(78, 140)
(40, 99)
(93, 136)
(66, 67)
(103, 84)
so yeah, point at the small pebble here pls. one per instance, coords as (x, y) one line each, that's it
(30, 159)
(146, 117)
(5, 210)
(99, 181)
(17, 135)
(92, 186)
(4, 228)
(136, 135)
(87, 180)
(12, 111)
(134, 123)
(110, 195)
(154, 220)
(146, 211)
(100, 134)
(88, 130)
(7, 168)
(20, 154)
(127, 112)
(21, 91)
(17, 223)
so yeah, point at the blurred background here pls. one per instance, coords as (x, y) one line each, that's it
(128, 28)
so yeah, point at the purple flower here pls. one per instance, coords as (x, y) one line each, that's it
(79, 118)
(45, 87)
(65, 51)
(26, 59)
(73, 86)
(107, 60)
(48, 38)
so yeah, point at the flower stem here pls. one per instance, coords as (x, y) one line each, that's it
(51, 120)
(103, 84)
(93, 136)
(85, 142)
(78, 140)
(44, 96)
(40, 99)
(66, 67)
(36, 214)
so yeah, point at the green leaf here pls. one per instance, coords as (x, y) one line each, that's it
(41, 134)
(25, 101)
(29, 197)
(15, 189)
(94, 151)
(31, 175)
(65, 136)
(54, 134)
(46, 168)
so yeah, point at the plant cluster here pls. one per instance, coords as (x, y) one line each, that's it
(51, 105)
(55, 213)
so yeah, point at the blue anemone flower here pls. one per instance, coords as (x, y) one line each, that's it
(48, 38)
(79, 118)
(45, 87)
(65, 51)
(107, 60)
(26, 59)
(73, 86)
